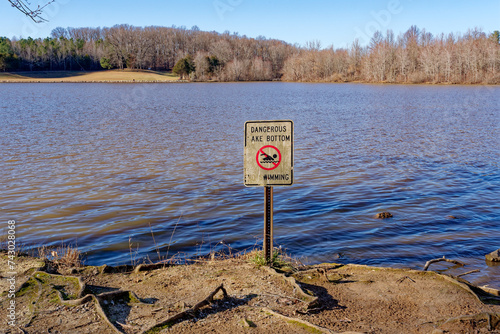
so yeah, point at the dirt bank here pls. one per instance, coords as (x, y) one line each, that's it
(238, 296)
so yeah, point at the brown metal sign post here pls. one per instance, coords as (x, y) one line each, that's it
(268, 162)
(268, 223)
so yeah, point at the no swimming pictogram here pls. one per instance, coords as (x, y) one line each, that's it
(268, 157)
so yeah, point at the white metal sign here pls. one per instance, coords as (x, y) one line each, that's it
(268, 154)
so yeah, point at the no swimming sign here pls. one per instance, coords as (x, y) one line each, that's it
(268, 153)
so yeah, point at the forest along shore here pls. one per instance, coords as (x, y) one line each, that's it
(415, 56)
(232, 294)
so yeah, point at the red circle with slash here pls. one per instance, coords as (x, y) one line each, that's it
(271, 158)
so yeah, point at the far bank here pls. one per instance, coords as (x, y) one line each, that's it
(150, 76)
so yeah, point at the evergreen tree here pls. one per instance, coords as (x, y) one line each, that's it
(8, 60)
(495, 36)
(106, 63)
(184, 67)
(214, 63)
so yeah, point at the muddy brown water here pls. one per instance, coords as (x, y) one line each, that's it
(98, 165)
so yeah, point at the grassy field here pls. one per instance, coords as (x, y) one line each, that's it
(80, 76)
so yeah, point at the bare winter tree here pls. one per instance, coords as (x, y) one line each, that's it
(34, 14)
(414, 56)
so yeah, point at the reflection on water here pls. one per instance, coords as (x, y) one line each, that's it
(97, 164)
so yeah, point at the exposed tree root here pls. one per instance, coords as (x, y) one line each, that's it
(207, 301)
(39, 295)
(463, 284)
(98, 299)
(311, 301)
(81, 294)
(128, 268)
(303, 322)
(489, 290)
(289, 319)
(490, 321)
(152, 266)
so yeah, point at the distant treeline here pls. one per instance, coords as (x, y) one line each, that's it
(415, 56)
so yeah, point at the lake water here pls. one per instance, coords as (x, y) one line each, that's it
(104, 165)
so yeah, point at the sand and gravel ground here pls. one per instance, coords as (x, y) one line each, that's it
(237, 296)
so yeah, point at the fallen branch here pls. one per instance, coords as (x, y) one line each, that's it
(207, 301)
(210, 299)
(469, 272)
(428, 263)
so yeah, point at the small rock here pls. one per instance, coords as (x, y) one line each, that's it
(181, 305)
(383, 215)
(493, 256)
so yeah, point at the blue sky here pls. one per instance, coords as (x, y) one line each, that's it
(331, 22)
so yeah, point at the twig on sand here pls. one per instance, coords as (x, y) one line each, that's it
(405, 277)
(428, 263)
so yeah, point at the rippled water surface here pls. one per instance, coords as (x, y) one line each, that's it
(102, 165)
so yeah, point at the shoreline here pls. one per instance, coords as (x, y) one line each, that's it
(149, 76)
(237, 293)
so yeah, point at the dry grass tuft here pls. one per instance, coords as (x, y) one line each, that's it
(64, 255)
(71, 257)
